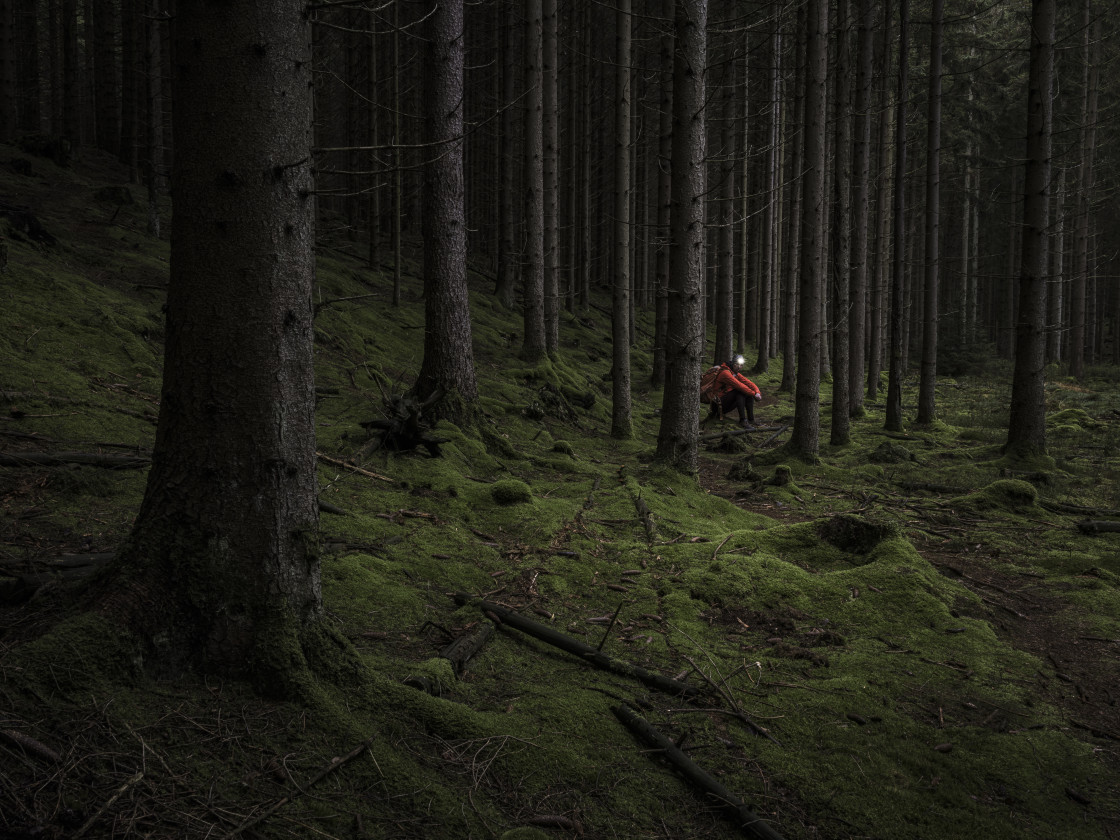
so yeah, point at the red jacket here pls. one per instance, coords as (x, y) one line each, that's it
(729, 380)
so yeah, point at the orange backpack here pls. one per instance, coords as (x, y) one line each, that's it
(708, 384)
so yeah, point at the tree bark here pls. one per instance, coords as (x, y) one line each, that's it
(861, 211)
(805, 436)
(621, 423)
(842, 232)
(927, 386)
(221, 570)
(664, 183)
(507, 224)
(551, 186)
(1090, 80)
(448, 364)
(1026, 433)
(676, 442)
(533, 348)
(898, 273)
(9, 111)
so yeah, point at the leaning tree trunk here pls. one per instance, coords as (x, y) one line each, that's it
(1026, 432)
(221, 571)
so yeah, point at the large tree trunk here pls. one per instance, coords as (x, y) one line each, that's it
(221, 571)
(448, 364)
(805, 437)
(927, 393)
(621, 425)
(676, 441)
(1026, 433)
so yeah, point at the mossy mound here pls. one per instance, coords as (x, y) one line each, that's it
(511, 492)
(889, 452)
(856, 534)
(1008, 494)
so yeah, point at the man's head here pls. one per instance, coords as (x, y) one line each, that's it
(736, 363)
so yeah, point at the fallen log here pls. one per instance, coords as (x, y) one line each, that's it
(460, 651)
(750, 822)
(587, 653)
(59, 459)
(1098, 526)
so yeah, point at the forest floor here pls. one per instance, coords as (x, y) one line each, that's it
(909, 638)
(1027, 612)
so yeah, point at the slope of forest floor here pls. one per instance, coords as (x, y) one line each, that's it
(912, 638)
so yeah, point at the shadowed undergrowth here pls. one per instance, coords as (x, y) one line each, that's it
(901, 620)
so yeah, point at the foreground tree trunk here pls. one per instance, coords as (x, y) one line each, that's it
(1026, 432)
(684, 339)
(221, 571)
(448, 353)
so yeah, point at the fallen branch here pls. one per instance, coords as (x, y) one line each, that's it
(1063, 507)
(58, 459)
(119, 792)
(460, 651)
(587, 653)
(30, 745)
(750, 822)
(1098, 526)
(337, 463)
(318, 777)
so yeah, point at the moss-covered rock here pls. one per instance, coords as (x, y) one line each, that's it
(511, 491)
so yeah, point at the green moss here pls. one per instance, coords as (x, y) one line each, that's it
(511, 492)
(1011, 495)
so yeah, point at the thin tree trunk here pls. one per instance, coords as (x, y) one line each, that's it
(841, 233)
(927, 394)
(534, 348)
(771, 219)
(1090, 80)
(551, 162)
(793, 240)
(805, 436)
(621, 423)
(861, 211)
(898, 279)
(508, 253)
(664, 183)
